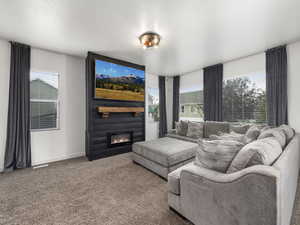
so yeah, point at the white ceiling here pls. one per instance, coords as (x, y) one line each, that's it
(195, 33)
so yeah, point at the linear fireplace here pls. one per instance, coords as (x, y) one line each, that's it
(119, 139)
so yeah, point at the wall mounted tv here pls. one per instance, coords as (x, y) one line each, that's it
(119, 82)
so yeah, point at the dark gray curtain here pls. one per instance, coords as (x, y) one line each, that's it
(276, 68)
(162, 107)
(18, 148)
(213, 85)
(176, 87)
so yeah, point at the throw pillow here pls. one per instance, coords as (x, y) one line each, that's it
(213, 127)
(288, 131)
(195, 130)
(181, 128)
(251, 134)
(263, 152)
(276, 133)
(217, 154)
(240, 129)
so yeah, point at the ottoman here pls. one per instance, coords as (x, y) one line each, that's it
(163, 155)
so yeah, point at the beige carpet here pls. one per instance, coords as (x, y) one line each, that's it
(108, 191)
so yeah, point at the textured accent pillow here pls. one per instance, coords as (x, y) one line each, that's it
(213, 127)
(263, 152)
(264, 128)
(232, 136)
(251, 134)
(288, 131)
(217, 154)
(181, 127)
(240, 129)
(276, 133)
(195, 130)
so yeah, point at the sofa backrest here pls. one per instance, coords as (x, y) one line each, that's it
(213, 127)
(288, 165)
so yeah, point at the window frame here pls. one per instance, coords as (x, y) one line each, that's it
(57, 101)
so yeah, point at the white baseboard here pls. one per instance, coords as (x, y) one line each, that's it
(70, 156)
(73, 155)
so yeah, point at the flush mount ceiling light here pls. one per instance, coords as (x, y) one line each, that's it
(149, 40)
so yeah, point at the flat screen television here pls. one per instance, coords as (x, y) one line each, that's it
(118, 82)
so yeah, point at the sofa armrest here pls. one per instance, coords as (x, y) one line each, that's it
(227, 199)
(218, 177)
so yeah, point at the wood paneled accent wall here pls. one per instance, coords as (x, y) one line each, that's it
(97, 127)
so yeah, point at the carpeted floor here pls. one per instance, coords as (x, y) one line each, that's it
(108, 191)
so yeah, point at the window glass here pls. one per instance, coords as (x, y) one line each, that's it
(244, 98)
(191, 97)
(153, 104)
(44, 100)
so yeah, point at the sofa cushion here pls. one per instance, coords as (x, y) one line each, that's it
(251, 134)
(240, 129)
(277, 133)
(288, 131)
(263, 151)
(216, 154)
(184, 138)
(181, 127)
(195, 130)
(213, 127)
(166, 151)
(232, 136)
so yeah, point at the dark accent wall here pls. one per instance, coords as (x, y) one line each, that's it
(97, 127)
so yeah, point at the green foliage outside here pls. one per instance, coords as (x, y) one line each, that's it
(243, 102)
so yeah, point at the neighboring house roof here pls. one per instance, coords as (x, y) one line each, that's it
(195, 97)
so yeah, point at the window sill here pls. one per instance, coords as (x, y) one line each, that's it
(43, 130)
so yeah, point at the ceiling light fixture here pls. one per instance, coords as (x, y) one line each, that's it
(149, 40)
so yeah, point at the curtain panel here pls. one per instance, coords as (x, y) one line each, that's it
(176, 87)
(276, 72)
(18, 146)
(162, 107)
(213, 86)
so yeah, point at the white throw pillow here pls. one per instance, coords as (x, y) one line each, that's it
(277, 133)
(263, 151)
(251, 134)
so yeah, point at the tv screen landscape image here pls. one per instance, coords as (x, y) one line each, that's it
(118, 82)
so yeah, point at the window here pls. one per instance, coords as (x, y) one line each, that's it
(191, 97)
(244, 98)
(44, 100)
(153, 104)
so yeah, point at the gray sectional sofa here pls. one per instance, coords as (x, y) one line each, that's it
(164, 155)
(256, 195)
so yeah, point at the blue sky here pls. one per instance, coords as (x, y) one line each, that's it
(115, 70)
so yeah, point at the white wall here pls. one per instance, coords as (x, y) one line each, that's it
(191, 81)
(69, 140)
(293, 53)
(4, 89)
(248, 65)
